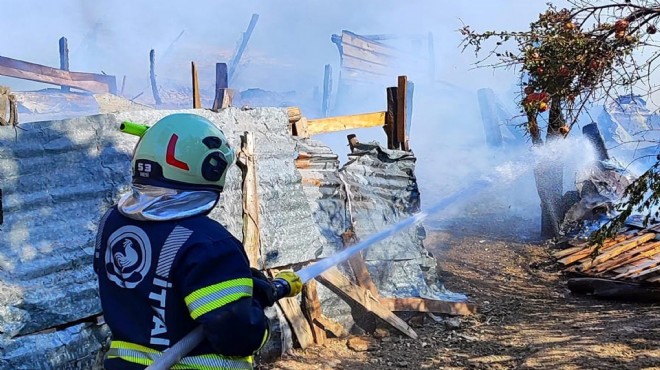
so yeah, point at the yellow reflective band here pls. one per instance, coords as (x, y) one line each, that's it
(141, 355)
(128, 345)
(215, 296)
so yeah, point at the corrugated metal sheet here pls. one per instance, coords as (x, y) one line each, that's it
(58, 178)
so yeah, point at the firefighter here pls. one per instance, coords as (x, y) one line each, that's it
(164, 267)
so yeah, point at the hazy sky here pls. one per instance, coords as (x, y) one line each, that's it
(288, 49)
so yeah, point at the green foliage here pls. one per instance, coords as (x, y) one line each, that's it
(642, 196)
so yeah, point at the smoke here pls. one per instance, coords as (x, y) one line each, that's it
(287, 52)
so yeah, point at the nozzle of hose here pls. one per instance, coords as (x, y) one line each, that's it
(133, 128)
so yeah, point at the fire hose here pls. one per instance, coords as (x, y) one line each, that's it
(180, 349)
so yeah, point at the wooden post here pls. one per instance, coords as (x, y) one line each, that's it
(251, 237)
(402, 112)
(152, 77)
(294, 315)
(352, 141)
(391, 119)
(592, 133)
(222, 93)
(13, 110)
(344, 287)
(239, 52)
(312, 310)
(64, 59)
(358, 265)
(197, 101)
(327, 90)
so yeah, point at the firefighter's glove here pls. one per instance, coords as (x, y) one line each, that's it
(263, 290)
(294, 281)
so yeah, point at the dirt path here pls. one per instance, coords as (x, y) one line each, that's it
(527, 319)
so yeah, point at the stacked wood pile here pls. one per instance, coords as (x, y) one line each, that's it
(633, 255)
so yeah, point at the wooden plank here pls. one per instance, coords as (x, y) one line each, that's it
(402, 112)
(197, 100)
(296, 319)
(586, 252)
(241, 48)
(617, 250)
(364, 57)
(646, 250)
(340, 123)
(429, 305)
(222, 94)
(312, 310)
(349, 61)
(636, 267)
(333, 327)
(343, 286)
(361, 42)
(358, 265)
(95, 83)
(646, 268)
(643, 273)
(327, 90)
(251, 231)
(64, 59)
(568, 251)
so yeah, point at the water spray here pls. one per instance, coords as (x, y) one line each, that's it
(175, 353)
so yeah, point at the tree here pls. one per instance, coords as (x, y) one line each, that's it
(567, 59)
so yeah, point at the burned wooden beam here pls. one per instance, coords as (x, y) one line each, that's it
(331, 326)
(428, 305)
(241, 48)
(390, 119)
(152, 77)
(402, 112)
(313, 311)
(341, 285)
(197, 100)
(64, 59)
(352, 141)
(596, 139)
(95, 83)
(223, 96)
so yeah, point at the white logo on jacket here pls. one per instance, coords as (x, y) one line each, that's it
(128, 256)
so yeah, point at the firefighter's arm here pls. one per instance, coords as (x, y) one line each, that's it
(217, 284)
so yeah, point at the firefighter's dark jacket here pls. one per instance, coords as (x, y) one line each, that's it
(160, 280)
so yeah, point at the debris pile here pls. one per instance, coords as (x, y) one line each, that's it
(624, 267)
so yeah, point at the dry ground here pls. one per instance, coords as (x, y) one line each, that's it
(527, 318)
